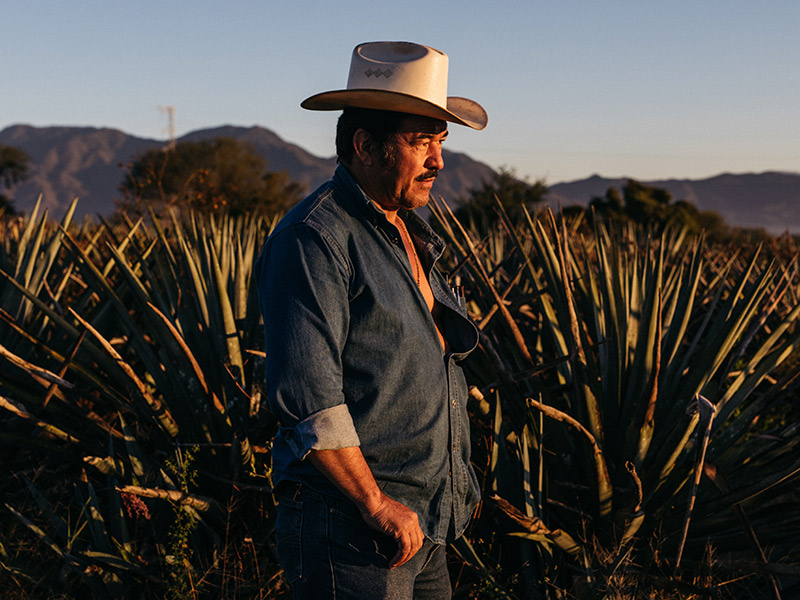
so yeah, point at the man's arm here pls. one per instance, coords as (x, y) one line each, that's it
(348, 470)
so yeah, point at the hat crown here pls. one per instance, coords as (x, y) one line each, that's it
(402, 67)
(402, 77)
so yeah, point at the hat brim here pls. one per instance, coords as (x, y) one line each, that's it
(459, 110)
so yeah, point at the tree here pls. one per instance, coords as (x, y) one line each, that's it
(646, 204)
(653, 206)
(513, 193)
(610, 206)
(13, 169)
(208, 176)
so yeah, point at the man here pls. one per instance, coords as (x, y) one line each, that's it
(371, 462)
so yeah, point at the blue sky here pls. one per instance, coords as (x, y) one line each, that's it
(620, 88)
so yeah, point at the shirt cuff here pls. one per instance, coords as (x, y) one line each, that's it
(328, 429)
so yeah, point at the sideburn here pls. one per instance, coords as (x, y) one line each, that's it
(387, 152)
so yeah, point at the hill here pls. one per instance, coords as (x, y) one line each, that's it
(770, 200)
(89, 163)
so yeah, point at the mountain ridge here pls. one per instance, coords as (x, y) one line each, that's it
(88, 162)
(769, 199)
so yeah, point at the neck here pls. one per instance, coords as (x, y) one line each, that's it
(373, 191)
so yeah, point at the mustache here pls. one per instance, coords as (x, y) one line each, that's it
(429, 174)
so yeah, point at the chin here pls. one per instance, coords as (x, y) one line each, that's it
(412, 203)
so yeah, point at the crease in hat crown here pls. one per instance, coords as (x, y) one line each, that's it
(403, 77)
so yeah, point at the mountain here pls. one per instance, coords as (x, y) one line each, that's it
(87, 162)
(770, 200)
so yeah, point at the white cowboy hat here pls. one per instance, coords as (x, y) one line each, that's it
(402, 77)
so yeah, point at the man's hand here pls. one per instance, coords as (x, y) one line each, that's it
(348, 470)
(397, 520)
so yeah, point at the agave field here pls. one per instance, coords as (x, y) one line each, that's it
(633, 403)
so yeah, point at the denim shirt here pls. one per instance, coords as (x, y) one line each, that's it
(354, 359)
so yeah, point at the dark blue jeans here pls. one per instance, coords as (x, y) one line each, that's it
(328, 552)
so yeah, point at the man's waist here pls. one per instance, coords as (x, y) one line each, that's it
(297, 491)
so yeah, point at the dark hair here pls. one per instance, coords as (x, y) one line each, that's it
(380, 124)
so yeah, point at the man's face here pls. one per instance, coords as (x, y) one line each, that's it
(403, 176)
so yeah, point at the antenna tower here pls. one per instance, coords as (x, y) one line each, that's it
(170, 112)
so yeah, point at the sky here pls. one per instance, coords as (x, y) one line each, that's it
(621, 88)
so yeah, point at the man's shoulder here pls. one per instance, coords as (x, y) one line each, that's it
(331, 209)
(308, 209)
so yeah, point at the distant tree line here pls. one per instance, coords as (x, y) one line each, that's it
(13, 169)
(636, 202)
(651, 205)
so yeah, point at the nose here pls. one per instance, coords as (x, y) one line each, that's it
(435, 159)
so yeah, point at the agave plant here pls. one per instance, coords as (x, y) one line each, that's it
(136, 376)
(616, 398)
(616, 387)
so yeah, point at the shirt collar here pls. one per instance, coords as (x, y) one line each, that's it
(433, 244)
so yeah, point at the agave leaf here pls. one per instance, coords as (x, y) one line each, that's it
(726, 331)
(757, 367)
(200, 503)
(121, 247)
(56, 521)
(97, 524)
(120, 563)
(36, 371)
(90, 373)
(67, 557)
(537, 531)
(734, 429)
(229, 322)
(135, 455)
(757, 488)
(190, 356)
(524, 442)
(25, 257)
(20, 410)
(240, 282)
(720, 481)
(54, 247)
(520, 341)
(118, 525)
(103, 288)
(106, 465)
(645, 436)
(159, 411)
(643, 349)
(191, 261)
(464, 549)
(686, 287)
(604, 488)
(497, 445)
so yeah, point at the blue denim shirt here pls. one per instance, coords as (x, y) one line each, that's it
(353, 357)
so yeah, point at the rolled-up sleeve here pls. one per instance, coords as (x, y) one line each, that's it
(329, 429)
(303, 282)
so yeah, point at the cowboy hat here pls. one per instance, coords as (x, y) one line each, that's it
(403, 77)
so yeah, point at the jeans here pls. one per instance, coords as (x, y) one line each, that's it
(328, 552)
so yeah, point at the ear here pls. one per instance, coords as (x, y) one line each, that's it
(364, 146)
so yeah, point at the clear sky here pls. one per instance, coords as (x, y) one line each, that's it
(622, 88)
